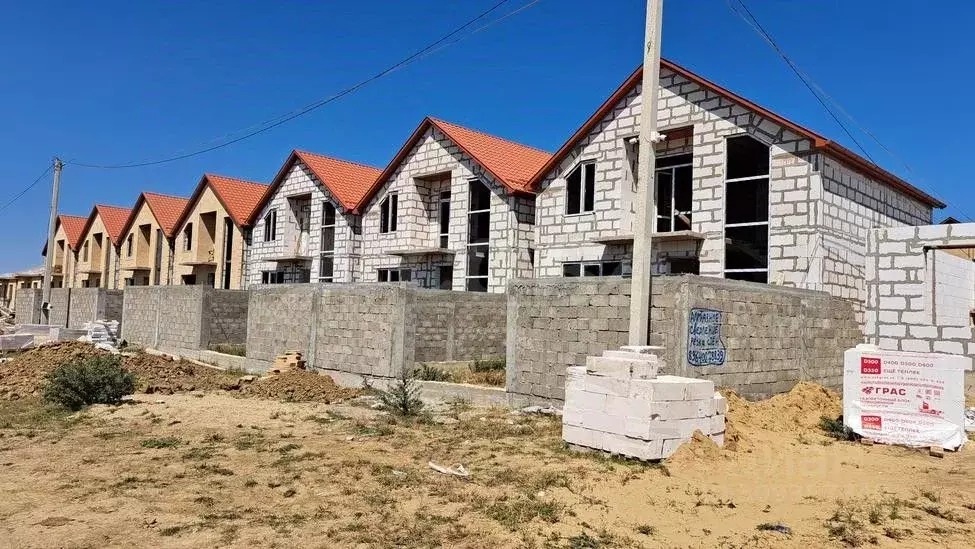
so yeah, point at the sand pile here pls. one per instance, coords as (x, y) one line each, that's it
(796, 412)
(156, 374)
(298, 386)
(699, 448)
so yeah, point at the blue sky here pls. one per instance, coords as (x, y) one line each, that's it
(108, 82)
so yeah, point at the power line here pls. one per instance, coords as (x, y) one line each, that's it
(820, 94)
(275, 122)
(26, 189)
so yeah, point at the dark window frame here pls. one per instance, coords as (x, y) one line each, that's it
(761, 175)
(583, 176)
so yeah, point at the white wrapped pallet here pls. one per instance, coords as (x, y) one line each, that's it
(907, 398)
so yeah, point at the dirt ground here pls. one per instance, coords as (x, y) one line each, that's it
(216, 470)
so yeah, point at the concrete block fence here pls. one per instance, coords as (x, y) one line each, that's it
(28, 307)
(172, 318)
(69, 307)
(757, 339)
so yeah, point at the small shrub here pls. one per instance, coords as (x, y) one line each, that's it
(166, 442)
(836, 429)
(92, 380)
(646, 529)
(488, 365)
(402, 398)
(427, 372)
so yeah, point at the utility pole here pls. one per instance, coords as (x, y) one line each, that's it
(52, 222)
(644, 221)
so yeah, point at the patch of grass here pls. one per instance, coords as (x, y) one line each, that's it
(646, 530)
(165, 442)
(403, 397)
(428, 372)
(250, 483)
(836, 429)
(215, 469)
(170, 531)
(944, 513)
(90, 380)
(248, 440)
(930, 496)
(584, 541)
(236, 349)
(200, 453)
(897, 534)
(774, 527)
(517, 512)
(33, 414)
(289, 493)
(488, 365)
(846, 527)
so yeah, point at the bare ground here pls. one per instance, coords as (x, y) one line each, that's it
(194, 470)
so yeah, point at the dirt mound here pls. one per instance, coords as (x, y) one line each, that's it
(797, 411)
(298, 386)
(699, 448)
(24, 376)
(157, 374)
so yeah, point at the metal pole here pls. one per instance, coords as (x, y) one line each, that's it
(52, 222)
(646, 215)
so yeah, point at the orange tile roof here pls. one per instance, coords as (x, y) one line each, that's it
(239, 198)
(819, 142)
(114, 219)
(347, 181)
(74, 225)
(512, 164)
(166, 209)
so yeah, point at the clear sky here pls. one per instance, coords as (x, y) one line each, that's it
(118, 81)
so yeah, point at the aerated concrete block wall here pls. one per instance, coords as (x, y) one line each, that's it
(279, 319)
(60, 307)
(88, 304)
(921, 289)
(757, 339)
(28, 307)
(171, 318)
(459, 325)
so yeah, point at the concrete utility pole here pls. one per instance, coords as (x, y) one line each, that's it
(644, 222)
(52, 222)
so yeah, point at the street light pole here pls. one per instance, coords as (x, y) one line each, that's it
(52, 222)
(645, 219)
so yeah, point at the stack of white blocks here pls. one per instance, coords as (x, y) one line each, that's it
(617, 403)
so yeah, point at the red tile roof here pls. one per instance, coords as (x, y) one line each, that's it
(73, 227)
(347, 181)
(166, 209)
(819, 142)
(239, 198)
(512, 164)
(114, 219)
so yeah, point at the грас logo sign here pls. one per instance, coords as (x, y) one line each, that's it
(869, 365)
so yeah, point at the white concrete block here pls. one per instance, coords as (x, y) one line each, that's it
(720, 403)
(631, 447)
(686, 427)
(682, 409)
(718, 439)
(572, 416)
(608, 385)
(585, 400)
(623, 367)
(601, 421)
(717, 424)
(577, 435)
(637, 427)
(664, 429)
(699, 389)
(671, 445)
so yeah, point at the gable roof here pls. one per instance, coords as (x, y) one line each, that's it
(238, 197)
(74, 226)
(819, 142)
(165, 208)
(114, 219)
(512, 164)
(347, 181)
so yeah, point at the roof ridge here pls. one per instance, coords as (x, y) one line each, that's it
(491, 135)
(336, 159)
(209, 175)
(164, 195)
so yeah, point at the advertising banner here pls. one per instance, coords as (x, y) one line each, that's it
(900, 397)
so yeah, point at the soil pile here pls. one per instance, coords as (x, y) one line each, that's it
(298, 386)
(157, 374)
(798, 411)
(24, 376)
(699, 448)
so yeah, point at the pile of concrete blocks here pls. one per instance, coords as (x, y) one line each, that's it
(287, 362)
(618, 404)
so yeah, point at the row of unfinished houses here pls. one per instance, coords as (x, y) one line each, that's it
(742, 193)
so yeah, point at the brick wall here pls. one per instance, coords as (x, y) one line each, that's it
(58, 315)
(916, 295)
(459, 326)
(771, 336)
(224, 317)
(279, 319)
(28, 305)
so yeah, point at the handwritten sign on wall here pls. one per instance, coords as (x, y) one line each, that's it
(704, 346)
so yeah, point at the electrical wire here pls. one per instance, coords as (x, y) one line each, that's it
(26, 189)
(820, 94)
(258, 129)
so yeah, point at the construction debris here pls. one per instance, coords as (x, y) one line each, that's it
(103, 334)
(457, 470)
